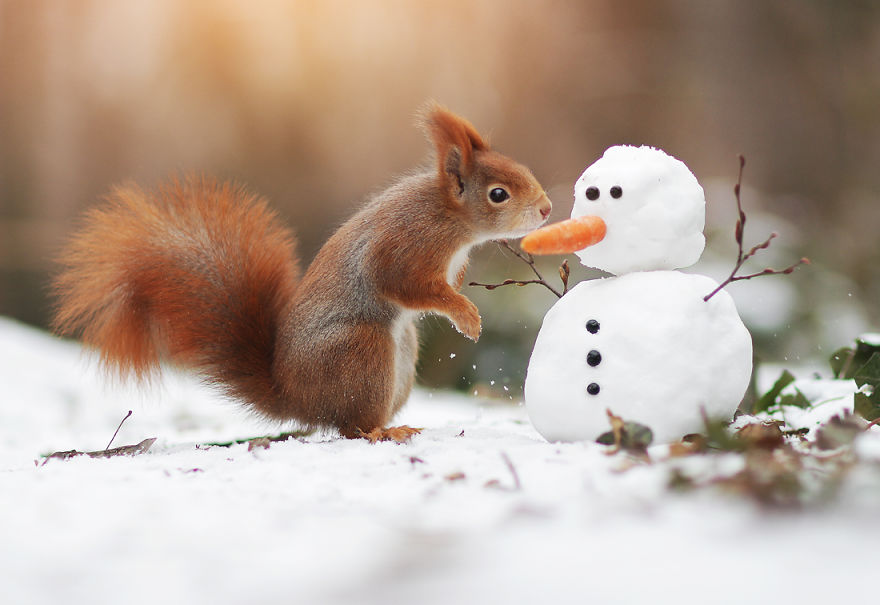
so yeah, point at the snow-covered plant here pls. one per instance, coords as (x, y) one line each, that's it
(861, 364)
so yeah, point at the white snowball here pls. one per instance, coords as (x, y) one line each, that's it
(655, 223)
(665, 354)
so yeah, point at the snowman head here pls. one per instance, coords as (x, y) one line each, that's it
(652, 206)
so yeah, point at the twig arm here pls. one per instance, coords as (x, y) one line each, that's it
(741, 256)
(530, 261)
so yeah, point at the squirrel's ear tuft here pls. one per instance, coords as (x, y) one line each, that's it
(455, 140)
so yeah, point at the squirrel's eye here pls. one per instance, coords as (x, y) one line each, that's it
(592, 193)
(616, 192)
(498, 195)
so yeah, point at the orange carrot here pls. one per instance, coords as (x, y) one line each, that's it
(565, 236)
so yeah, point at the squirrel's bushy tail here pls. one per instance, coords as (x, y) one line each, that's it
(198, 273)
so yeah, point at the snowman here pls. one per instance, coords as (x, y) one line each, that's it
(644, 344)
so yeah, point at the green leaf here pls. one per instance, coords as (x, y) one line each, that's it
(846, 362)
(634, 436)
(719, 438)
(606, 438)
(868, 347)
(840, 359)
(840, 431)
(640, 435)
(869, 373)
(768, 400)
(868, 407)
(796, 399)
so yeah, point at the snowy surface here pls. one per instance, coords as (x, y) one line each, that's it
(323, 520)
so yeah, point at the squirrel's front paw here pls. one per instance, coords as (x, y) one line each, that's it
(468, 322)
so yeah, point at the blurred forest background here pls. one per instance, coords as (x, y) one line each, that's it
(312, 103)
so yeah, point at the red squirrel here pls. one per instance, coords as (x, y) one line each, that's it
(202, 274)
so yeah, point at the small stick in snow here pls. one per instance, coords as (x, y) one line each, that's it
(530, 261)
(741, 256)
(125, 450)
(517, 486)
(117, 431)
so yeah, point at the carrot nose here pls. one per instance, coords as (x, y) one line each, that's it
(566, 236)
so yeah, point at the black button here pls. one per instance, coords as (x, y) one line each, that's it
(593, 388)
(594, 358)
(592, 326)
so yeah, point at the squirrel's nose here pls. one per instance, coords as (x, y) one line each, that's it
(545, 208)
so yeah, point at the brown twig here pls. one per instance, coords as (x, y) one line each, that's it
(117, 430)
(742, 256)
(125, 450)
(517, 486)
(527, 258)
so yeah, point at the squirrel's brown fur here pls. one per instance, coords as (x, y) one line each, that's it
(202, 274)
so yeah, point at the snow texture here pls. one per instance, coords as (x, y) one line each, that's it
(325, 520)
(654, 218)
(655, 353)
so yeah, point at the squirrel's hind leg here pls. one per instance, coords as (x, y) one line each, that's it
(400, 434)
(406, 349)
(377, 372)
(406, 346)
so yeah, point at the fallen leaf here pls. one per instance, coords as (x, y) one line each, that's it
(125, 450)
(263, 442)
(630, 436)
(840, 431)
(763, 435)
(770, 478)
(688, 446)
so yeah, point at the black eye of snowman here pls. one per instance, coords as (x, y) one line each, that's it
(592, 193)
(616, 192)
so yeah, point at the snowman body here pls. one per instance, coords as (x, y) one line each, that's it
(645, 346)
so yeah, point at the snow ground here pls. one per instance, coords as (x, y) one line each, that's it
(443, 519)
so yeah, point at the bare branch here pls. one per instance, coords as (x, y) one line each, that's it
(527, 258)
(117, 430)
(517, 486)
(514, 282)
(742, 257)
